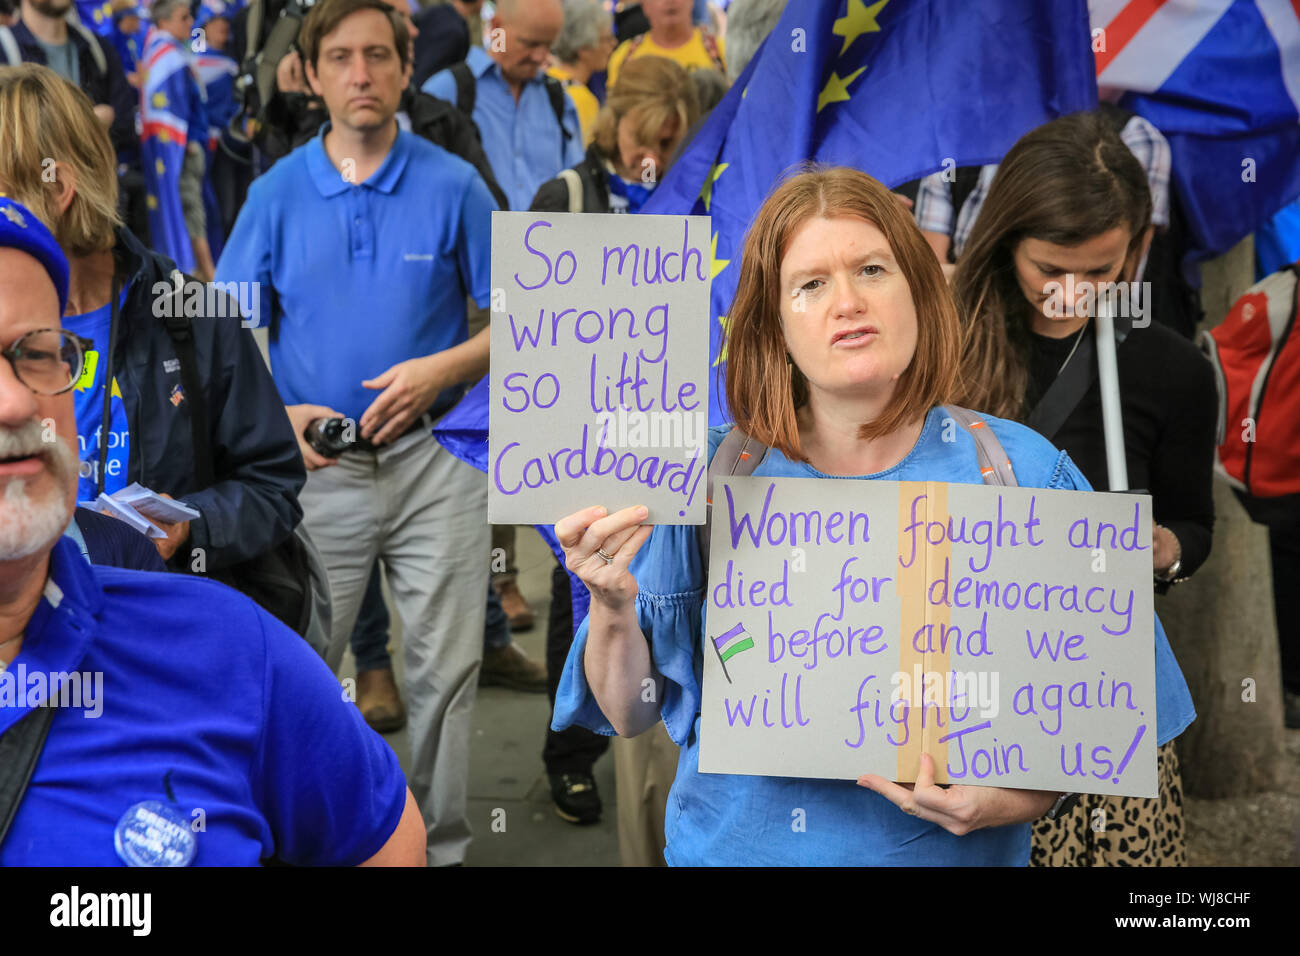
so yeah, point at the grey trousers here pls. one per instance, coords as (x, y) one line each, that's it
(423, 513)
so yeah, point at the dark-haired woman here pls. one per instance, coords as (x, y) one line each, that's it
(1066, 221)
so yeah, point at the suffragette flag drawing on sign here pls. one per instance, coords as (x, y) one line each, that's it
(893, 88)
(1221, 80)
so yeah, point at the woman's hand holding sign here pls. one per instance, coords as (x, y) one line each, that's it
(598, 547)
(960, 809)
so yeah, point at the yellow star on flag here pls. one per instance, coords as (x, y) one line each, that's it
(151, 201)
(116, 392)
(716, 265)
(707, 192)
(722, 353)
(158, 165)
(836, 89)
(160, 99)
(857, 20)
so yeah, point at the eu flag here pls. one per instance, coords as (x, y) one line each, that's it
(166, 113)
(896, 88)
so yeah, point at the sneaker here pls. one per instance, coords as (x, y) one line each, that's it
(518, 612)
(378, 700)
(576, 798)
(510, 667)
(1292, 704)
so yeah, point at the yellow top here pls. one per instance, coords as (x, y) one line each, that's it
(693, 54)
(583, 100)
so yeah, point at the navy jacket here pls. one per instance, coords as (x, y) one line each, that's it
(104, 87)
(254, 504)
(116, 544)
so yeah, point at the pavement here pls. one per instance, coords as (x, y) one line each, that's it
(510, 809)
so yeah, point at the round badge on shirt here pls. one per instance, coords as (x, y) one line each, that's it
(153, 834)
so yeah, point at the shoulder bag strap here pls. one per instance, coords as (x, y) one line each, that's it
(9, 46)
(466, 91)
(107, 417)
(737, 455)
(555, 90)
(1066, 390)
(574, 183)
(995, 464)
(20, 748)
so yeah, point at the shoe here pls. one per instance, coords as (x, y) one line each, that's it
(576, 798)
(1292, 703)
(378, 700)
(518, 612)
(510, 667)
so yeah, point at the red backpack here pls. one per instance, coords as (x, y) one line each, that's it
(1256, 358)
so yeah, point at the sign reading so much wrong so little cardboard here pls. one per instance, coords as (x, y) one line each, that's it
(1008, 632)
(600, 364)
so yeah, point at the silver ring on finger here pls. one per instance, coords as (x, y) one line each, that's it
(608, 558)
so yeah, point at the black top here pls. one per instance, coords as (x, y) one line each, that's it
(1168, 396)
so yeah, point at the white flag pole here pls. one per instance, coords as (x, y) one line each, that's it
(1111, 413)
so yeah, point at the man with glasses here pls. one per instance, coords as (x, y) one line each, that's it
(223, 715)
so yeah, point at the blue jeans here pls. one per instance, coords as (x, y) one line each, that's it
(370, 634)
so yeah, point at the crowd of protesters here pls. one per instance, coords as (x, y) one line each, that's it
(347, 178)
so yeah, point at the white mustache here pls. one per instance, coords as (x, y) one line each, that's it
(26, 441)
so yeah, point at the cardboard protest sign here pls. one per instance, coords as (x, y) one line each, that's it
(1008, 632)
(600, 364)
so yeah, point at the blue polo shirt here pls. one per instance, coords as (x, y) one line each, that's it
(522, 140)
(223, 711)
(365, 275)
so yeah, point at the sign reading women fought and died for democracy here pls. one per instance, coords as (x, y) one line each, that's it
(600, 362)
(1008, 632)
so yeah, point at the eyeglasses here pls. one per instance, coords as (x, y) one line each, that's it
(48, 361)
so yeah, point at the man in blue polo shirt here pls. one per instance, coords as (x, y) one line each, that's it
(372, 238)
(135, 731)
(514, 102)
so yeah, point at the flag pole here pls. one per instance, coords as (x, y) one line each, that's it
(1111, 413)
(721, 661)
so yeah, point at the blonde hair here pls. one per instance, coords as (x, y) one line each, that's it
(655, 89)
(46, 120)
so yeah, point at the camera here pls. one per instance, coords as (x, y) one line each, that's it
(331, 437)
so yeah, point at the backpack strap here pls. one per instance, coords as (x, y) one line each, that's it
(711, 48)
(92, 41)
(555, 90)
(1066, 390)
(574, 182)
(9, 47)
(995, 464)
(20, 749)
(466, 88)
(737, 455)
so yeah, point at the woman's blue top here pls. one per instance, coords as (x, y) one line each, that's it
(726, 819)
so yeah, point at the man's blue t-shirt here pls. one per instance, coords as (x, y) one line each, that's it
(733, 819)
(196, 698)
(88, 396)
(367, 274)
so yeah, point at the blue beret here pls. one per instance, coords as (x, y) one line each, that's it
(20, 229)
